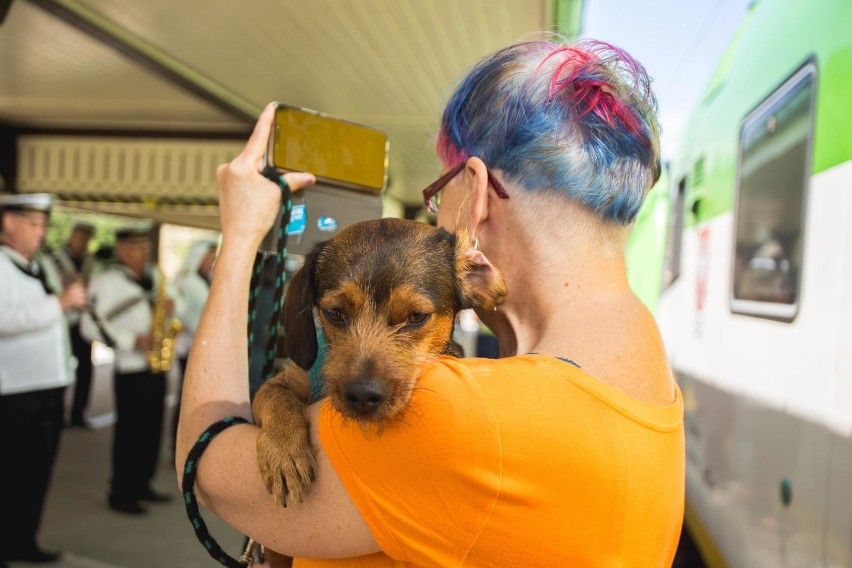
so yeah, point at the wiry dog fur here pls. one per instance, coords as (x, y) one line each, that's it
(386, 293)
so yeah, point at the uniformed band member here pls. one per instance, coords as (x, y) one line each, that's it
(34, 371)
(122, 296)
(75, 263)
(192, 286)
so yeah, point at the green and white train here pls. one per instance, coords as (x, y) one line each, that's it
(754, 242)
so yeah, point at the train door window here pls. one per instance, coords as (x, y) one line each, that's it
(774, 167)
(674, 237)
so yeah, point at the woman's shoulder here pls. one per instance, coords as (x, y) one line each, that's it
(624, 349)
(479, 375)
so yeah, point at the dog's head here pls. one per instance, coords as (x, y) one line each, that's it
(386, 293)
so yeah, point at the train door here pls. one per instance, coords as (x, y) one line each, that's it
(781, 452)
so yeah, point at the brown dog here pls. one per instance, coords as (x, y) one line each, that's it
(385, 293)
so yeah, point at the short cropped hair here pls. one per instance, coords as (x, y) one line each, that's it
(578, 119)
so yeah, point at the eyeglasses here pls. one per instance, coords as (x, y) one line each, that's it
(431, 195)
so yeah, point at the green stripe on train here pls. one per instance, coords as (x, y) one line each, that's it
(775, 39)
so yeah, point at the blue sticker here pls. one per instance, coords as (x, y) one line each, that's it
(298, 220)
(327, 224)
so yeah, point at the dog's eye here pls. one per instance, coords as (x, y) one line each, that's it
(416, 318)
(335, 316)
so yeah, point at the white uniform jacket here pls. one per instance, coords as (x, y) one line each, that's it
(35, 352)
(192, 292)
(108, 290)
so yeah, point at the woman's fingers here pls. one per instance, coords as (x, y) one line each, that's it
(248, 202)
(256, 146)
(299, 180)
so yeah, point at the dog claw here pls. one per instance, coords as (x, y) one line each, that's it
(286, 492)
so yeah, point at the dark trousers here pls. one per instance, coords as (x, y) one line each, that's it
(29, 439)
(139, 399)
(82, 350)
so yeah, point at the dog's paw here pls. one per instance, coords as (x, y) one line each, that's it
(287, 465)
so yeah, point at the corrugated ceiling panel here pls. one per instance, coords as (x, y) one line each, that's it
(388, 63)
(54, 75)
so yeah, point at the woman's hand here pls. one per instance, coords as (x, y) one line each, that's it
(249, 202)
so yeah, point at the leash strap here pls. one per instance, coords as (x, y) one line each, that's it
(276, 263)
(188, 489)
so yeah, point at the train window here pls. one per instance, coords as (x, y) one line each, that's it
(674, 235)
(774, 166)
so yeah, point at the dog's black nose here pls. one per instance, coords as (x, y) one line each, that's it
(363, 397)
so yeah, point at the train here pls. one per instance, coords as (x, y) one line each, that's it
(744, 253)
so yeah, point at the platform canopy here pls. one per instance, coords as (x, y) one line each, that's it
(127, 106)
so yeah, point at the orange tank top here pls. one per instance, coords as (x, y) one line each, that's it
(524, 461)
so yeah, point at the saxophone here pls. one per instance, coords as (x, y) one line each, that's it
(164, 330)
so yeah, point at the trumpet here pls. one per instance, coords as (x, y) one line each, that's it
(164, 330)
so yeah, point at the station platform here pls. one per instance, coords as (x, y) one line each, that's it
(78, 522)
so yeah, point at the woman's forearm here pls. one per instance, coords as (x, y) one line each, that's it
(216, 381)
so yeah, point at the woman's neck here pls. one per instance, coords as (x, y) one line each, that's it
(554, 277)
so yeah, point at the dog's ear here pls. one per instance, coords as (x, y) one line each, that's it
(480, 285)
(300, 335)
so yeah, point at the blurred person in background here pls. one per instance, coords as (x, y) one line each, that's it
(75, 263)
(123, 296)
(191, 286)
(35, 368)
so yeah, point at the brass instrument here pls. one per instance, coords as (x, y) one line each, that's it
(164, 330)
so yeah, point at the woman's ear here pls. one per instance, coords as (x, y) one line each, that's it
(479, 284)
(476, 178)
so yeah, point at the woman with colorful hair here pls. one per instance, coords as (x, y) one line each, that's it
(567, 451)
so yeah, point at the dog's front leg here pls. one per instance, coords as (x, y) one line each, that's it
(284, 453)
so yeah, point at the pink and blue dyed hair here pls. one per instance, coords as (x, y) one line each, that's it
(576, 119)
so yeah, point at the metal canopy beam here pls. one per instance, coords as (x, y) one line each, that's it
(150, 57)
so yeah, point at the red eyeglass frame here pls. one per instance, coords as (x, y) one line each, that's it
(433, 188)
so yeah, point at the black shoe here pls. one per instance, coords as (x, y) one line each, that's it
(152, 496)
(127, 506)
(33, 555)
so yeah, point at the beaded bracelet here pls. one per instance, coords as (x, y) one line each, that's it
(188, 490)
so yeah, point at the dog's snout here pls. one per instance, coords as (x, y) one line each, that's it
(363, 397)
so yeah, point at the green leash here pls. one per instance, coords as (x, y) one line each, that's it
(188, 487)
(276, 263)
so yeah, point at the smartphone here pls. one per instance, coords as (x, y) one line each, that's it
(336, 151)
